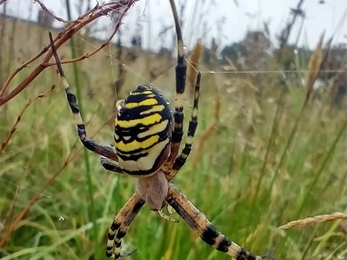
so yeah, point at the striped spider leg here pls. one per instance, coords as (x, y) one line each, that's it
(88, 143)
(207, 232)
(175, 161)
(121, 225)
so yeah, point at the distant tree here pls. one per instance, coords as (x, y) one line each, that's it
(333, 70)
(233, 52)
(293, 57)
(206, 55)
(335, 59)
(256, 44)
(163, 51)
(45, 19)
(136, 41)
(250, 52)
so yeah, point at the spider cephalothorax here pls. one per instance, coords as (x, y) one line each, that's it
(147, 141)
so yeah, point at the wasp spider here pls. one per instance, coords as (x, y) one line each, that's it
(146, 145)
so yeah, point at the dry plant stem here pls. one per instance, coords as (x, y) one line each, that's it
(43, 7)
(314, 65)
(315, 219)
(45, 186)
(15, 198)
(193, 68)
(34, 199)
(286, 31)
(19, 117)
(66, 34)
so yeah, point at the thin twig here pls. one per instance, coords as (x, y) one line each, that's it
(286, 31)
(19, 117)
(62, 37)
(43, 7)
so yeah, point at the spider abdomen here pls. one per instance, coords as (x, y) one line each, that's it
(143, 131)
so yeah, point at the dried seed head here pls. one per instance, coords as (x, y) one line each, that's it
(313, 67)
(193, 68)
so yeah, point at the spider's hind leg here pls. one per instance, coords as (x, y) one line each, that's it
(208, 233)
(121, 225)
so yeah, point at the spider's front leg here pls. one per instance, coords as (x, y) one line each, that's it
(121, 225)
(88, 143)
(110, 166)
(208, 233)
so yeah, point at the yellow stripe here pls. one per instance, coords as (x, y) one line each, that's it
(156, 108)
(147, 162)
(149, 120)
(154, 129)
(146, 102)
(146, 92)
(138, 145)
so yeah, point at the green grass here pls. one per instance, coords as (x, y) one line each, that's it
(238, 182)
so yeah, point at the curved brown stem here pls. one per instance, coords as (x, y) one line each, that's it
(62, 37)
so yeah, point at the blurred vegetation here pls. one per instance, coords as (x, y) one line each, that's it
(267, 151)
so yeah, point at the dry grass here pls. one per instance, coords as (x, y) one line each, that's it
(194, 61)
(314, 67)
(314, 220)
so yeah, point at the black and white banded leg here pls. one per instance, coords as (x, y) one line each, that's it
(181, 71)
(88, 143)
(121, 224)
(207, 232)
(193, 123)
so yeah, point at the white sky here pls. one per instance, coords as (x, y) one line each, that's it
(150, 16)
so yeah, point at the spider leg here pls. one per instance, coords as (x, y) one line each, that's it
(121, 225)
(208, 233)
(181, 71)
(193, 123)
(88, 143)
(109, 165)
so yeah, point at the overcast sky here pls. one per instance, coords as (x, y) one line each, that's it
(223, 19)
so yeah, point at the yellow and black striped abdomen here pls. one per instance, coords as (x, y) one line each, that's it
(143, 131)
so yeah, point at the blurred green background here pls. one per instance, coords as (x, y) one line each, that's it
(262, 156)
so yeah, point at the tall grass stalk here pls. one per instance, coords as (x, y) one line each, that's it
(322, 166)
(91, 209)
